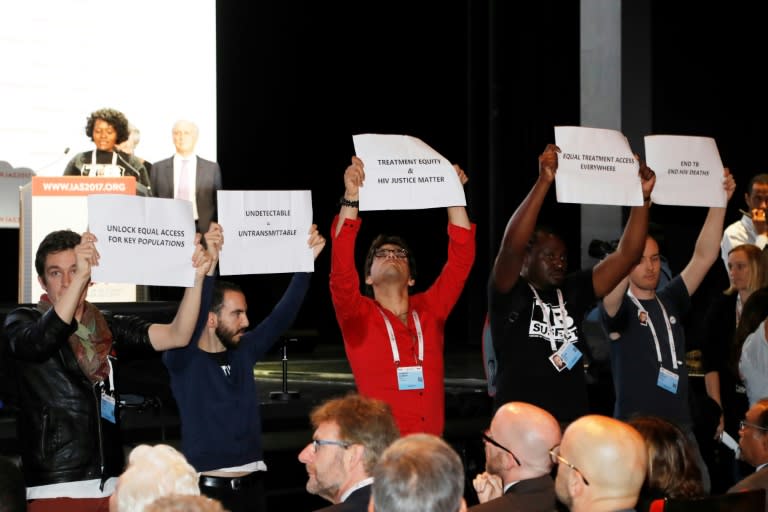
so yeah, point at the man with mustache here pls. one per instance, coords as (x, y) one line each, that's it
(213, 384)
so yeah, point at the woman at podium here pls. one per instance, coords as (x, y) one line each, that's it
(107, 128)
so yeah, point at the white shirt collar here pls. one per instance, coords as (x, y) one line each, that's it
(358, 485)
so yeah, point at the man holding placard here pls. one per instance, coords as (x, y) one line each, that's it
(68, 421)
(394, 340)
(535, 308)
(647, 333)
(213, 384)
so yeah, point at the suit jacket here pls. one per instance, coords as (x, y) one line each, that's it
(757, 480)
(207, 182)
(532, 495)
(356, 502)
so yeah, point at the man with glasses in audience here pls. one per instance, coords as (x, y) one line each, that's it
(601, 465)
(394, 340)
(753, 447)
(518, 465)
(350, 435)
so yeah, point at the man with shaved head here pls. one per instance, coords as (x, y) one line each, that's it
(601, 465)
(517, 462)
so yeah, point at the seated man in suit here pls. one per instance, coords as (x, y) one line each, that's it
(601, 465)
(753, 446)
(187, 176)
(350, 435)
(518, 466)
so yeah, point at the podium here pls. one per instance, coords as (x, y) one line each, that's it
(49, 203)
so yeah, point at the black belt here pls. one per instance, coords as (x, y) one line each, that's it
(233, 483)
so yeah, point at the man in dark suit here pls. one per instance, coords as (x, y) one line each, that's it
(350, 435)
(753, 447)
(518, 466)
(187, 176)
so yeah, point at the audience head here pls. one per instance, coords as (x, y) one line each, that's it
(107, 127)
(757, 195)
(152, 471)
(744, 270)
(350, 435)
(129, 144)
(185, 137)
(518, 441)
(546, 259)
(752, 314)
(672, 467)
(601, 464)
(418, 473)
(56, 263)
(13, 491)
(383, 249)
(753, 434)
(185, 503)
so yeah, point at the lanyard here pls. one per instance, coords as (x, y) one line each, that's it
(545, 313)
(641, 309)
(393, 340)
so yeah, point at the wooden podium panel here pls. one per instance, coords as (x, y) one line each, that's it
(49, 203)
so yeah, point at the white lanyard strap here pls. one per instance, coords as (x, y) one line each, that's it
(545, 312)
(640, 308)
(393, 339)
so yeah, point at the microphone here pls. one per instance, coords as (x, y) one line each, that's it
(54, 161)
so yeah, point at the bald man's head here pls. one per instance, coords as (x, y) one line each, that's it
(527, 431)
(609, 458)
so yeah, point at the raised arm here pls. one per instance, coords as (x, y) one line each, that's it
(353, 180)
(72, 298)
(609, 272)
(509, 260)
(179, 332)
(707, 247)
(458, 214)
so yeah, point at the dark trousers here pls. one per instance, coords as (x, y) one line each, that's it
(239, 494)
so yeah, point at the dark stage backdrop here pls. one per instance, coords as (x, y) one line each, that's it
(483, 82)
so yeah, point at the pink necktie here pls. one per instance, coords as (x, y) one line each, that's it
(185, 182)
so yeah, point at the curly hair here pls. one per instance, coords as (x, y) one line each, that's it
(114, 118)
(672, 467)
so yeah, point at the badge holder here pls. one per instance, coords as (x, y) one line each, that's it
(284, 395)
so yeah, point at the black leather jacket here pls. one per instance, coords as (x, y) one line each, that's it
(62, 435)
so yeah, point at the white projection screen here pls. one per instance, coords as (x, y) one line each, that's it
(154, 60)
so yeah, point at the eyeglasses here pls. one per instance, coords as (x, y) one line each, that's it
(322, 442)
(398, 253)
(554, 453)
(743, 424)
(488, 439)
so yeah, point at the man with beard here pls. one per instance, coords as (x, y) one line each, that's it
(647, 335)
(518, 466)
(350, 435)
(213, 384)
(535, 308)
(601, 465)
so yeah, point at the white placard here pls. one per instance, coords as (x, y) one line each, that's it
(688, 170)
(265, 231)
(596, 166)
(143, 240)
(404, 173)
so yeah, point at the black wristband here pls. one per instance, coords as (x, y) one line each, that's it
(346, 202)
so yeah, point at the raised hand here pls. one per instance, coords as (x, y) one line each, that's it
(316, 240)
(548, 162)
(354, 176)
